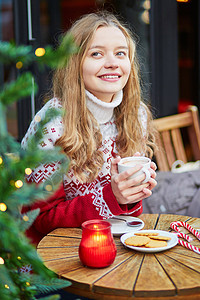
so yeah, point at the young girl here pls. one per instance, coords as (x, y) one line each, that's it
(105, 119)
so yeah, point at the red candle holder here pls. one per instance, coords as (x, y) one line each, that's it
(97, 248)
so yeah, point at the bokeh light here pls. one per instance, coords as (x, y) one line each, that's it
(28, 171)
(18, 184)
(3, 207)
(39, 52)
(48, 188)
(25, 218)
(19, 65)
(1, 261)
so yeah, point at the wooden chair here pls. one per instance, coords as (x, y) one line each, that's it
(178, 138)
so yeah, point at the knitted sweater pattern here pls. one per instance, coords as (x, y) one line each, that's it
(98, 192)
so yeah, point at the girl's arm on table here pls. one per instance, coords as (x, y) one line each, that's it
(57, 212)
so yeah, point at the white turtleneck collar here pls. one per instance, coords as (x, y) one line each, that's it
(102, 111)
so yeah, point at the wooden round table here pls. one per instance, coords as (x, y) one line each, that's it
(171, 274)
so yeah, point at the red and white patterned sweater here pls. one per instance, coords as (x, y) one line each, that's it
(74, 202)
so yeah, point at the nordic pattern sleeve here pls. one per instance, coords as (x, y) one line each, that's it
(51, 132)
(57, 212)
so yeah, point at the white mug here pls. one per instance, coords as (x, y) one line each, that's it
(130, 162)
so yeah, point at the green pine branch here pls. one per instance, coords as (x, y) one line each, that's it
(48, 286)
(25, 223)
(22, 87)
(10, 53)
(54, 58)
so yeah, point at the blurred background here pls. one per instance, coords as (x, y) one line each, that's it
(168, 35)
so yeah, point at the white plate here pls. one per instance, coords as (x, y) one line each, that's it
(171, 243)
(120, 227)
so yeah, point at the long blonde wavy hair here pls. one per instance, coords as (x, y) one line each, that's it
(82, 139)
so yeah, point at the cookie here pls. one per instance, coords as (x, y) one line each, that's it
(146, 233)
(160, 237)
(156, 244)
(137, 241)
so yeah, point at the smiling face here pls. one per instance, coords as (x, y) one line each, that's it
(106, 66)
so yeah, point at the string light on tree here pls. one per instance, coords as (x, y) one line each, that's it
(3, 207)
(39, 52)
(18, 184)
(19, 65)
(48, 188)
(28, 171)
(1, 261)
(25, 218)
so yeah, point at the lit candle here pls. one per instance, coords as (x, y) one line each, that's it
(97, 248)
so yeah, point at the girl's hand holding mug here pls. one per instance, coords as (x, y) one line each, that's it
(132, 178)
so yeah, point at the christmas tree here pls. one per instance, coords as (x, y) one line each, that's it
(16, 251)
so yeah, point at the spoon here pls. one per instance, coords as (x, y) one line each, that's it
(130, 223)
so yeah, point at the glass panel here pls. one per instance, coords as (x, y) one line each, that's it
(7, 73)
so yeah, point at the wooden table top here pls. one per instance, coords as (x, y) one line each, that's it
(171, 274)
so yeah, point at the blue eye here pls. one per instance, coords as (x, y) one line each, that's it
(95, 54)
(121, 53)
